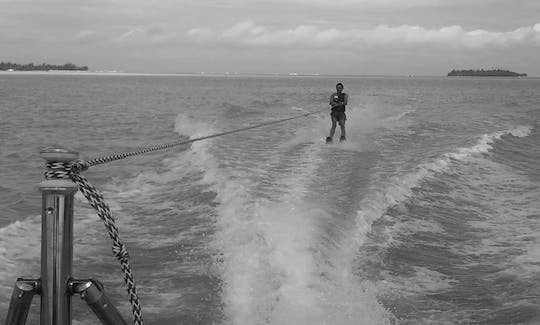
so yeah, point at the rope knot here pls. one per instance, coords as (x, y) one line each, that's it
(78, 166)
(119, 249)
(62, 170)
(121, 253)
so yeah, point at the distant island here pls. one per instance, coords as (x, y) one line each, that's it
(8, 66)
(485, 73)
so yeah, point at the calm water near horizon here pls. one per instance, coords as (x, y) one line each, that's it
(428, 214)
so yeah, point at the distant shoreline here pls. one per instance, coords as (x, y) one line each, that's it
(485, 73)
(9, 66)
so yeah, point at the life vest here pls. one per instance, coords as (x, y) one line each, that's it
(339, 97)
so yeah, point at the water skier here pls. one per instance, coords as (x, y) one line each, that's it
(338, 101)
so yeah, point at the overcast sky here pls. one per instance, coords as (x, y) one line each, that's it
(365, 37)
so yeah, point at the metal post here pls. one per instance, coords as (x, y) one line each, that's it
(21, 300)
(56, 242)
(93, 293)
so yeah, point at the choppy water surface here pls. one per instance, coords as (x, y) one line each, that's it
(428, 214)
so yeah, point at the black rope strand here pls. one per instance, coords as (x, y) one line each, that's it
(62, 170)
(106, 159)
(119, 249)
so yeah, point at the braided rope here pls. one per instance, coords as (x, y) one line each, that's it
(95, 198)
(106, 159)
(72, 171)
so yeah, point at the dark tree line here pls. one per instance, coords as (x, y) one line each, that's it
(486, 73)
(40, 67)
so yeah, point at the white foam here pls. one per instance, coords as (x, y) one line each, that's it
(360, 122)
(274, 272)
(20, 252)
(191, 126)
(399, 116)
(371, 117)
(486, 142)
(400, 188)
(508, 199)
(423, 281)
(273, 267)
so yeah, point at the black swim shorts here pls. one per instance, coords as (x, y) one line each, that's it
(339, 116)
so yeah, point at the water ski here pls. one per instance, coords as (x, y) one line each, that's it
(341, 139)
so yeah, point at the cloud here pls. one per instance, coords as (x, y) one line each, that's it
(145, 35)
(86, 34)
(248, 33)
(364, 4)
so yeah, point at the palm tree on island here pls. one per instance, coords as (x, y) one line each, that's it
(5, 66)
(485, 73)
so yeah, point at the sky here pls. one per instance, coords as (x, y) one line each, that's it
(342, 37)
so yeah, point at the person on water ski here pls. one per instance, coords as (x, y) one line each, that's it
(338, 101)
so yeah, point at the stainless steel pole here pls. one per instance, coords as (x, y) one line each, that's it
(21, 300)
(56, 242)
(93, 293)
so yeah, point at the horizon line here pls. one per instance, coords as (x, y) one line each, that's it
(226, 74)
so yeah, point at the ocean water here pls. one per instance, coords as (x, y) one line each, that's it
(428, 214)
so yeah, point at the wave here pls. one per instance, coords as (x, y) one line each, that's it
(364, 121)
(156, 193)
(275, 263)
(486, 142)
(19, 250)
(399, 116)
(400, 188)
(233, 111)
